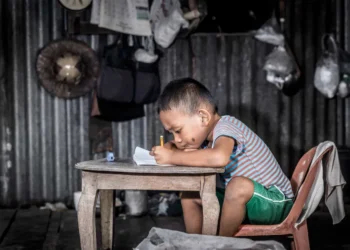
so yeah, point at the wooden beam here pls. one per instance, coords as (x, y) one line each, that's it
(53, 231)
(69, 232)
(28, 230)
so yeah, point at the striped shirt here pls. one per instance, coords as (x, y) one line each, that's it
(250, 157)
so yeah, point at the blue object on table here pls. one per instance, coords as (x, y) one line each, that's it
(110, 156)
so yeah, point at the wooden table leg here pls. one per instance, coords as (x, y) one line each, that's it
(86, 212)
(107, 218)
(210, 203)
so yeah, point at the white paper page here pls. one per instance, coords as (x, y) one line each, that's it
(142, 157)
(130, 17)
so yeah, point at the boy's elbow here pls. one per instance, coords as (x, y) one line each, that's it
(221, 160)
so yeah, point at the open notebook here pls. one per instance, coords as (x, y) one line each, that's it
(142, 157)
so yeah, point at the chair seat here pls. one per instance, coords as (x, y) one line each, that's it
(301, 181)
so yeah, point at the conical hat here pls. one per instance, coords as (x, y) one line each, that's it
(67, 68)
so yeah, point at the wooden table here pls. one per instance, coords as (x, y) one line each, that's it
(103, 176)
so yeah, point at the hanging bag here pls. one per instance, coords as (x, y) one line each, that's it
(270, 32)
(126, 80)
(280, 65)
(125, 85)
(344, 68)
(327, 73)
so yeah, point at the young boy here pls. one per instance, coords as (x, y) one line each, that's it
(253, 185)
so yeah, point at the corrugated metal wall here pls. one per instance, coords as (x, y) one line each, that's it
(48, 135)
(42, 136)
(4, 126)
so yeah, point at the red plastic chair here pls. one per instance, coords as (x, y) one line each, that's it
(301, 181)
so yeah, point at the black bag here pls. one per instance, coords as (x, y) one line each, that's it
(125, 80)
(117, 111)
(125, 85)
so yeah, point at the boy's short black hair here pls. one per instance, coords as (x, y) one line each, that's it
(186, 93)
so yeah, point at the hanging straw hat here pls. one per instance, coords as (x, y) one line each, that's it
(67, 68)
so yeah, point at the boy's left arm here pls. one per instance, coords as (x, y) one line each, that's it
(218, 156)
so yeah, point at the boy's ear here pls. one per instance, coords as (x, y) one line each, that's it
(205, 116)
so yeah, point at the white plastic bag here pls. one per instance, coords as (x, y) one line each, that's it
(166, 21)
(165, 239)
(142, 55)
(344, 87)
(279, 67)
(270, 32)
(136, 202)
(344, 68)
(327, 75)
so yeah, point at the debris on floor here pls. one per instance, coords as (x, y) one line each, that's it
(77, 196)
(58, 206)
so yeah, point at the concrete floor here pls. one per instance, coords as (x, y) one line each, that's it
(42, 229)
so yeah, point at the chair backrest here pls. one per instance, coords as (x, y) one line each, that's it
(301, 169)
(302, 180)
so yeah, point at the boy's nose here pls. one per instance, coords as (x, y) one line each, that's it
(177, 138)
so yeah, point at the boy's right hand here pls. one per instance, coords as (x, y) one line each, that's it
(169, 145)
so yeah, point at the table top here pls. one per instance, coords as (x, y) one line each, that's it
(129, 166)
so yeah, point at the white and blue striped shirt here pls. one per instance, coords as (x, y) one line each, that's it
(250, 157)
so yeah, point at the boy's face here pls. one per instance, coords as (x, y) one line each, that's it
(189, 131)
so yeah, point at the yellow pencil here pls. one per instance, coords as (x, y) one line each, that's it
(161, 141)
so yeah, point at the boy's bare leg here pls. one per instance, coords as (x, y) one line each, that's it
(238, 192)
(192, 212)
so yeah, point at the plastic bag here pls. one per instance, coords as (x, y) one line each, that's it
(280, 68)
(142, 55)
(166, 21)
(344, 87)
(165, 239)
(166, 204)
(136, 202)
(270, 32)
(327, 73)
(344, 68)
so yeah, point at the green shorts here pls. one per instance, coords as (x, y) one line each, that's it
(265, 207)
